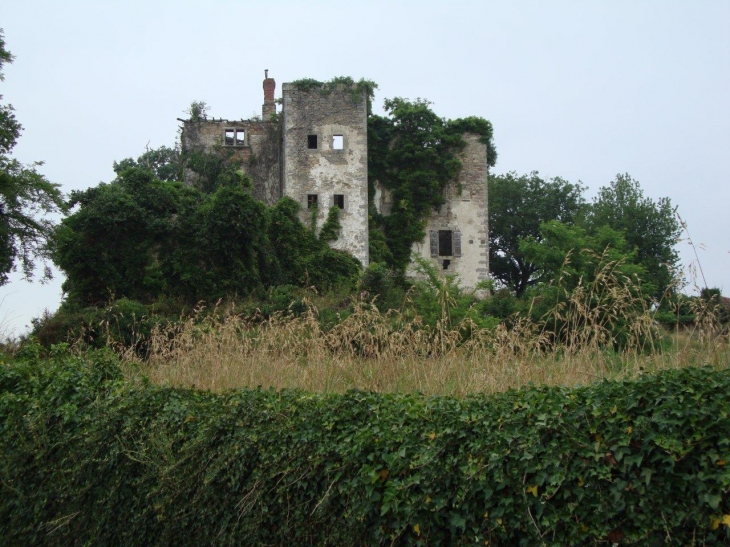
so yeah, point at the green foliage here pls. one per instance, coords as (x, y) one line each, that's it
(359, 87)
(198, 111)
(331, 228)
(442, 304)
(502, 305)
(121, 324)
(292, 240)
(332, 269)
(709, 309)
(650, 227)
(142, 238)
(113, 243)
(377, 280)
(568, 253)
(414, 153)
(716, 304)
(212, 170)
(518, 206)
(596, 277)
(87, 458)
(164, 163)
(27, 198)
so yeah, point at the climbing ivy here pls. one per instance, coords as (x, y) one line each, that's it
(331, 228)
(358, 87)
(414, 153)
(89, 458)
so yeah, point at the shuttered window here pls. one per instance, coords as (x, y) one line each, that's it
(445, 243)
(457, 243)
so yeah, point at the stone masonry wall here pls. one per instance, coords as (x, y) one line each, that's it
(325, 171)
(464, 212)
(258, 156)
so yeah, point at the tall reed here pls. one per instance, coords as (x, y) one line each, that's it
(397, 350)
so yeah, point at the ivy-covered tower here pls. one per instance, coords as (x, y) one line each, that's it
(325, 158)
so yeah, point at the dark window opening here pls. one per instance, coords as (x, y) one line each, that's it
(229, 137)
(447, 263)
(340, 201)
(240, 136)
(445, 243)
(311, 201)
(338, 142)
(312, 142)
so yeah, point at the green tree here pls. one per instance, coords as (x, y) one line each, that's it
(593, 285)
(568, 255)
(651, 227)
(26, 198)
(165, 163)
(518, 206)
(113, 244)
(144, 239)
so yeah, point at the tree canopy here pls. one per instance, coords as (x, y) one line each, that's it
(143, 238)
(26, 198)
(651, 227)
(521, 205)
(518, 206)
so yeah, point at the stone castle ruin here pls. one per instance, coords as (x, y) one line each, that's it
(315, 152)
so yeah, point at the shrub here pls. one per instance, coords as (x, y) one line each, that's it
(89, 459)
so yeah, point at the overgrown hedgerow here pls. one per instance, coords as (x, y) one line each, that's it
(88, 457)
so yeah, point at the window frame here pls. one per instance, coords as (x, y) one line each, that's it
(233, 141)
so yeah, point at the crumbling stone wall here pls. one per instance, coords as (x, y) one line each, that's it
(279, 156)
(315, 122)
(464, 215)
(258, 155)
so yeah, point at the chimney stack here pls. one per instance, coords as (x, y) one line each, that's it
(269, 107)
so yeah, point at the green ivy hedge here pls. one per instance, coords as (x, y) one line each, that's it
(89, 458)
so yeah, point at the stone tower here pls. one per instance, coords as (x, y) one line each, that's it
(325, 159)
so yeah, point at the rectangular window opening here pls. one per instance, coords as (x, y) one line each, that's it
(339, 201)
(446, 264)
(312, 142)
(445, 243)
(229, 137)
(311, 201)
(240, 136)
(338, 142)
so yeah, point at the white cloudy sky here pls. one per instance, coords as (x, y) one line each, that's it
(583, 90)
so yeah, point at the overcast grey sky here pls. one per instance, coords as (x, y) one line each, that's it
(582, 90)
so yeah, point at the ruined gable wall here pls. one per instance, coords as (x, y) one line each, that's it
(258, 157)
(465, 212)
(325, 171)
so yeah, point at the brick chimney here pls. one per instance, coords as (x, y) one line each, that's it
(269, 107)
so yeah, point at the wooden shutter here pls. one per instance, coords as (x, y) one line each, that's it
(434, 242)
(457, 243)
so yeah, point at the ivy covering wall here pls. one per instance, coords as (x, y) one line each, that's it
(90, 458)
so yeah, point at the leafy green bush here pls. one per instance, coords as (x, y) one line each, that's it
(122, 323)
(146, 239)
(88, 458)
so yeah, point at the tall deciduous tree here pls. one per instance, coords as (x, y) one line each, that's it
(651, 227)
(26, 197)
(518, 205)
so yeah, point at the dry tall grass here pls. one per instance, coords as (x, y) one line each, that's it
(397, 351)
